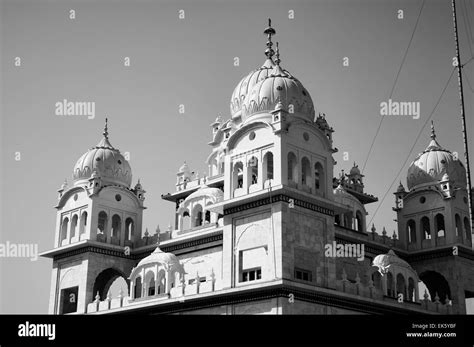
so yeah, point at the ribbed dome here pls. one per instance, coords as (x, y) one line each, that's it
(343, 197)
(383, 261)
(169, 260)
(104, 161)
(433, 163)
(246, 84)
(278, 88)
(214, 194)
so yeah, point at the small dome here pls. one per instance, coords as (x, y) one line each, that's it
(401, 188)
(279, 87)
(355, 170)
(103, 161)
(214, 194)
(169, 260)
(384, 261)
(431, 165)
(184, 168)
(341, 193)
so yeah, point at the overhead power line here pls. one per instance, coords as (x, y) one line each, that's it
(394, 84)
(413, 146)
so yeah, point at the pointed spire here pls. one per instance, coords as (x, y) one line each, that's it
(104, 142)
(434, 145)
(433, 134)
(269, 31)
(106, 128)
(277, 60)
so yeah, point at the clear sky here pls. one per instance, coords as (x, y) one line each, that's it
(190, 62)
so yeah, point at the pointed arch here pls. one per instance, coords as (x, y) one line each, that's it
(411, 231)
(425, 228)
(292, 167)
(64, 229)
(439, 224)
(74, 223)
(268, 166)
(83, 223)
(319, 179)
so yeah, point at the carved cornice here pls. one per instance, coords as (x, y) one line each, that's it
(279, 198)
(134, 255)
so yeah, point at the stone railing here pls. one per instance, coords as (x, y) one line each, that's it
(181, 291)
(370, 291)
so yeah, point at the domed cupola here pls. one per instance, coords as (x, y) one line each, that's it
(248, 82)
(433, 163)
(280, 89)
(103, 161)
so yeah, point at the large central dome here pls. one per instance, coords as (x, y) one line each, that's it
(268, 86)
(246, 84)
(282, 89)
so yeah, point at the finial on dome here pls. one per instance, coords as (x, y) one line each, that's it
(433, 134)
(269, 31)
(277, 60)
(106, 128)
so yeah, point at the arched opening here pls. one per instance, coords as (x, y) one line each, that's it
(238, 176)
(116, 226)
(401, 285)
(74, 226)
(82, 228)
(138, 288)
(436, 284)
(319, 178)
(439, 222)
(150, 283)
(411, 290)
(64, 226)
(129, 229)
(348, 220)
(411, 231)
(197, 215)
(104, 281)
(253, 170)
(425, 228)
(186, 220)
(305, 172)
(467, 228)
(292, 167)
(207, 217)
(457, 220)
(161, 282)
(102, 223)
(359, 221)
(390, 285)
(268, 166)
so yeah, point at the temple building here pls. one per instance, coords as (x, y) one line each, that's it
(250, 236)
